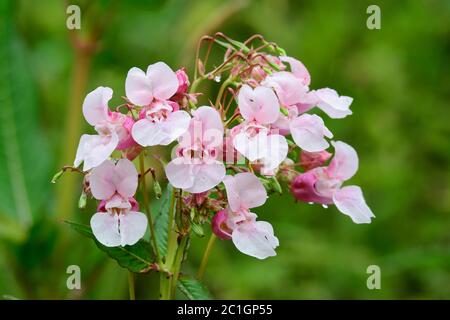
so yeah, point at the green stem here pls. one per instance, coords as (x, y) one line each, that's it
(210, 245)
(147, 209)
(177, 265)
(222, 90)
(131, 285)
(164, 282)
(172, 235)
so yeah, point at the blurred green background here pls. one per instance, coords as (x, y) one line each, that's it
(399, 77)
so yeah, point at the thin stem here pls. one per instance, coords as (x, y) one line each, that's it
(131, 285)
(222, 89)
(177, 264)
(201, 270)
(147, 209)
(172, 235)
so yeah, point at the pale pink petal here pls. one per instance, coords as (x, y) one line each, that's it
(332, 104)
(163, 79)
(344, 164)
(126, 178)
(105, 227)
(95, 105)
(179, 172)
(206, 128)
(350, 201)
(206, 176)
(138, 87)
(260, 105)
(277, 150)
(94, 149)
(132, 227)
(148, 133)
(290, 90)
(255, 239)
(102, 181)
(244, 191)
(253, 148)
(309, 132)
(298, 69)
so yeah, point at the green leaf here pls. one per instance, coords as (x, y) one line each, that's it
(162, 221)
(193, 289)
(24, 152)
(136, 258)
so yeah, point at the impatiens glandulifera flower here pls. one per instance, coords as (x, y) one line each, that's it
(117, 223)
(324, 185)
(262, 106)
(198, 166)
(113, 130)
(251, 237)
(255, 140)
(160, 120)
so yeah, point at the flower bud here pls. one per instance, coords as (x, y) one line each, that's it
(219, 225)
(183, 82)
(311, 160)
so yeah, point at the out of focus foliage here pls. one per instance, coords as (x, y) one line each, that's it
(399, 77)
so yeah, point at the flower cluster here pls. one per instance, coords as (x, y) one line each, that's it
(228, 155)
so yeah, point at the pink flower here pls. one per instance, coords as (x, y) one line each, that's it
(196, 169)
(115, 186)
(255, 139)
(332, 104)
(113, 130)
(324, 185)
(161, 122)
(251, 237)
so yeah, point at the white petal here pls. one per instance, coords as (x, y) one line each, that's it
(95, 105)
(132, 227)
(255, 239)
(164, 81)
(148, 133)
(253, 148)
(179, 172)
(138, 87)
(244, 190)
(105, 227)
(350, 201)
(101, 181)
(344, 164)
(309, 132)
(332, 104)
(277, 150)
(94, 149)
(206, 176)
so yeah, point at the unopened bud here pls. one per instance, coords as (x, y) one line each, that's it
(82, 201)
(57, 176)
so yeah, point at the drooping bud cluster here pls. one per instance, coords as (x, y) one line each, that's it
(226, 154)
